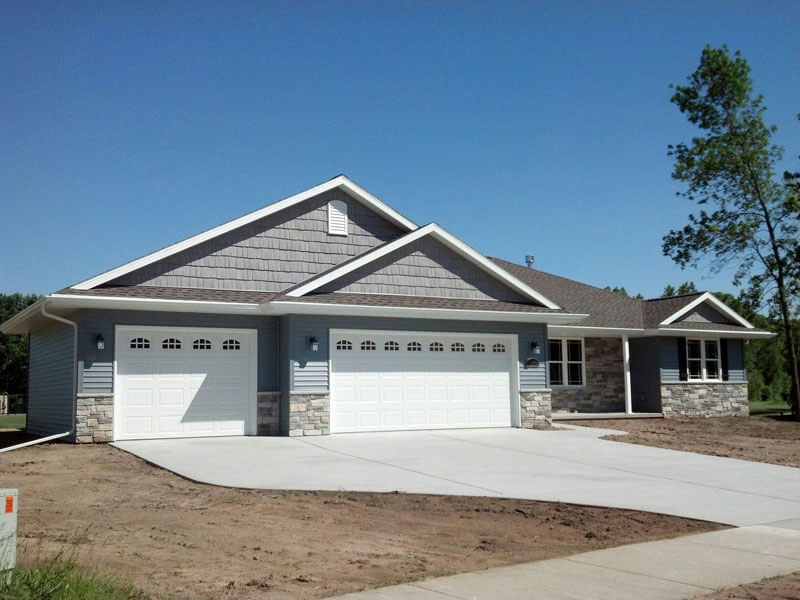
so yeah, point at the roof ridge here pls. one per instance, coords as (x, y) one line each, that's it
(676, 296)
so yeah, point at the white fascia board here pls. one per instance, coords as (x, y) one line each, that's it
(713, 333)
(284, 307)
(566, 330)
(116, 303)
(355, 191)
(716, 303)
(448, 240)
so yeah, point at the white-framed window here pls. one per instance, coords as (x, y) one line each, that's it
(456, 347)
(478, 347)
(566, 362)
(140, 343)
(703, 360)
(499, 348)
(201, 344)
(368, 346)
(231, 344)
(171, 344)
(414, 347)
(344, 345)
(391, 346)
(436, 347)
(337, 217)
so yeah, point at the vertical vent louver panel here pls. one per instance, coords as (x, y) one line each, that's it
(337, 217)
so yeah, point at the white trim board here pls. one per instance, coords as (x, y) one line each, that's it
(716, 303)
(440, 234)
(340, 182)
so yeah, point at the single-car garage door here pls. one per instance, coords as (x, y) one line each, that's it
(173, 382)
(391, 380)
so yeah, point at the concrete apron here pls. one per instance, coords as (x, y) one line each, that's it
(685, 567)
(567, 466)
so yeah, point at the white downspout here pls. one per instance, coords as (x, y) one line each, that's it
(74, 325)
(626, 359)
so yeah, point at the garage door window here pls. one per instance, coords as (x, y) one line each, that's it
(231, 345)
(391, 346)
(140, 343)
(201, 344)
(436, 347)
(457, 347)
(414, 347)
(344, 345)
(478, 347)
(171, 344)
(368, 346)
(498, 348)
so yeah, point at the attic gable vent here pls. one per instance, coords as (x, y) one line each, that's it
(337, 217)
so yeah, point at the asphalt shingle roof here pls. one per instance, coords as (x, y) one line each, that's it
(658, 309)
(174, 293)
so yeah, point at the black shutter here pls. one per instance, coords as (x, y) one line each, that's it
(683, 375)
(723, 351)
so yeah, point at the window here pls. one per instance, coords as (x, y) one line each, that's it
(478, 347)
(171, 344)
(498, 348)
(368, 345)
(344, 345)
(436, 347)
(140, 343)
(201, 344)
(565, 362)
(391, 346)
(337, 217)
(457, 347)
(702, 360)
(414, 347)
(231, 345)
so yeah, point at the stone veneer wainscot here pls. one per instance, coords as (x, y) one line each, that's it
(309, 413)
(704, 399)
(94, 421)
(535, 409)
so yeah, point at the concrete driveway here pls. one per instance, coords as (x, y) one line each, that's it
(568, 465)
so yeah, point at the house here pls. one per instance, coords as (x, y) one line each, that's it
(331, 312)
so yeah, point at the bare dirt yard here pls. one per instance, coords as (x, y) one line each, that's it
(170, 537)
(763, 439)
(778, 588)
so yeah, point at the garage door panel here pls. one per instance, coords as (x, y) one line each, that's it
(429, 389)
(186, 391)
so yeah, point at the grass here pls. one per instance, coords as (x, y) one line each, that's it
(765, 409)
(12, 421)
(59, 580)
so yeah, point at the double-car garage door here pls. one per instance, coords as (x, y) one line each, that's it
(392, 380)
(173, 382)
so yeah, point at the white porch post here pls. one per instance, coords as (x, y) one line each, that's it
(626, 359)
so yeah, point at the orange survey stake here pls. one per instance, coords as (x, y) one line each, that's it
(9, 504)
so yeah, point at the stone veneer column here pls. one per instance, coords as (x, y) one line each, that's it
(94, 421)
(309, 413)
(723, 399)
(535, 409)
(268, 413)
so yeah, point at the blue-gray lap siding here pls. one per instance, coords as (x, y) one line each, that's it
(668, 351)
(51, 379)
(308, 371)
(96, 367)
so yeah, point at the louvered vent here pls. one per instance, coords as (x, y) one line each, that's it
(337, 217)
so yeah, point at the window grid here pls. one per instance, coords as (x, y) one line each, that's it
(703, 360)
(171, 344)
(140, 343)
(498, 348)
(414, 347)
(457, 347)
(478, 347)
(231, 344)
(201, 344)
(391, 346)
(368, 345)
(436, 347)
(566, 362)
(344, 345)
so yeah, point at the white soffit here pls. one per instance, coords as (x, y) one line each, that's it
(342, 182)
(441, 235)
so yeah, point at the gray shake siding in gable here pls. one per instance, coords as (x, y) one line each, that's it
(704, 314)
(425, 267)
(51, 377)
(95, 367)
(273, 253)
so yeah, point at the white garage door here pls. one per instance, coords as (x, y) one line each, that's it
(390, 381)
(175, 382)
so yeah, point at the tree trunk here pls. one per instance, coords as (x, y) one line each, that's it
(791, 357)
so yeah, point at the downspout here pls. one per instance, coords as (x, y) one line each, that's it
(74, 325)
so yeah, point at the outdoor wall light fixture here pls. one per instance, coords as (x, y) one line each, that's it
(99, 342)
(536, 349)
(313, 343)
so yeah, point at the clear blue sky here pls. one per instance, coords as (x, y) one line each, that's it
(520, 127)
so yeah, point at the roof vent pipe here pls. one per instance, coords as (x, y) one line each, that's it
(529, 260)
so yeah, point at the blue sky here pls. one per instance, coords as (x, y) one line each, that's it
(520, 127)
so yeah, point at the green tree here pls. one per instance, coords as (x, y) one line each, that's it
(747, 215)
(687, 287)
(14, 348)
(622, 292)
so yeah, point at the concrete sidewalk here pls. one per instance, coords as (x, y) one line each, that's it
(684, 567)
